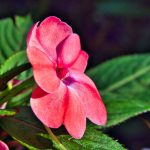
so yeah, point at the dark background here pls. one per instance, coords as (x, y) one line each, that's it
(108, 28)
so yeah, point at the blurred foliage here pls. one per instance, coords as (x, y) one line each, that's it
(13, 35)
(107, 28)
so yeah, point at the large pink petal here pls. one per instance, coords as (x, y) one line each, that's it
(49, 108)
(43, 69)
(68, 50)
(3, 146)
(50, 33)
(81, 62)
(32, 39)
(89, 96)
(74, 119)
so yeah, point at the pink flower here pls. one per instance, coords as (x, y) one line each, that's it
(65, 95)
(3, 146)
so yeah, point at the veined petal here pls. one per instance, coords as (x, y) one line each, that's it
(68, 50)
(50, 33)
(49, 108)
(74, 119)
(43, 69)
(81, 62)
(89, 96)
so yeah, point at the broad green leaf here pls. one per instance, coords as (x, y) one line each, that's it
(124, 84)
(16, 60)
(93, 139)
(13, 35)
(7, 112)
(121, 107)
(26, 128)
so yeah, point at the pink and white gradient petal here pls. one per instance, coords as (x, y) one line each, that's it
(32, 39)
(68, 51)
(49, 108)
(43, 69)
(91, 102)
(50, 33)
(81, 62)
(75, 117)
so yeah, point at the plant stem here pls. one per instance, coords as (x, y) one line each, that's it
(54, 138)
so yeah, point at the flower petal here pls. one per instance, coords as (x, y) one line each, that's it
(74, 119)
(81, 62)
(81, 77)
(31, 38)
(3, 146)
(50, 33)
(68, 50)
(31, 34)
(43, 69)
(89, 96)
(49, 108)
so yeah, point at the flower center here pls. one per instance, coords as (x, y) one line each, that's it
(68, 80)
(62, 73)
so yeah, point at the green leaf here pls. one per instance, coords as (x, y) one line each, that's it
(7, 112)
(26, 128)
(16, 60)
(11, 74)
(124, 84)
(93, 139)
(13, 66)
(21, 99)
(13, 35)
(121, 107)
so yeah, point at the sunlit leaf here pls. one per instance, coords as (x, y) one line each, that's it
(93, 139)
(13, 35)
(124, 84)
(7, 112)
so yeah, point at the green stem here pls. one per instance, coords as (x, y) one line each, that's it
(54, 138)
(5, 92)
(8, 94)
(5, 77)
